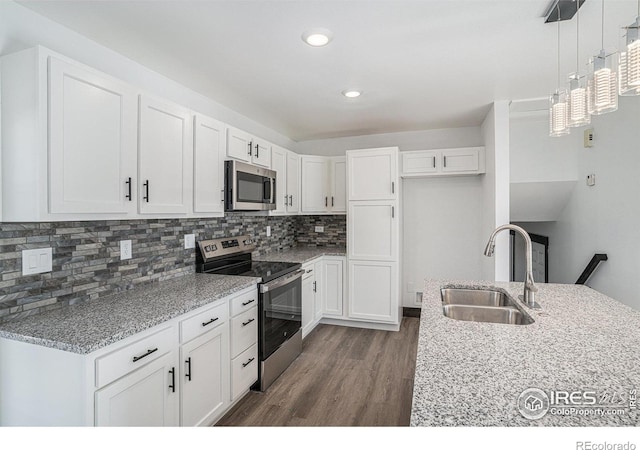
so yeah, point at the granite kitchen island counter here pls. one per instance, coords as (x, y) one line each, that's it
(472, 373)
(89, 326)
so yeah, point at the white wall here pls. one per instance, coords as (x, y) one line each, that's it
(21, 28)
(495, 190)
(603, 218)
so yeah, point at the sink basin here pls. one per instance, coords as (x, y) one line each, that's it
(482, 305)
(478, 297)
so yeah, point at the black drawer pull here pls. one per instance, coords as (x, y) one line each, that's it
(146, 185)
(204, 324)
(250, 301)
(244, 324)
(188, 374)
(248, 362)
(128, 183)
(172, 386)
(138, 358)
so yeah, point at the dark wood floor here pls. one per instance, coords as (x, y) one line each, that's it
(344, 376)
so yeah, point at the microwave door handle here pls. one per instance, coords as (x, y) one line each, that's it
(273, 188)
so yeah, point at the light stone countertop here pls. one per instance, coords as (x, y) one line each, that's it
(472, 373)
(302, 254)
(89, 326)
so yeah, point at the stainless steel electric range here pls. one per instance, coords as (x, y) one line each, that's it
(279, 300)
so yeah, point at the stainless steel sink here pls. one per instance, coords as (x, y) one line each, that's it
(482, 305)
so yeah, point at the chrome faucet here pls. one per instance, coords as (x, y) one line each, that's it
(530, 288)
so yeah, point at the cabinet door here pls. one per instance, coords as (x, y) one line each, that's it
(339, 184)
(208, 152)
(261, 154)
(205, 377)
(373, 291)
(146, 397)
(372, 174)
(165, 157)
(332, 286)
(92, 132)
(373, 231)
(460, 160)
(279, 164)
(308, 303)
(318, 271)
(238, 144)
(420, 162)
(293, 182)
(314, 184)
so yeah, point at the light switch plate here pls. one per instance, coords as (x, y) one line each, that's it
(37, 261)
(319, 229)
(125, 249)
(189, 241)
(591, 179)
(268, 230)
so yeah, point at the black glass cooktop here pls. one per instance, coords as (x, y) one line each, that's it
(267, 270)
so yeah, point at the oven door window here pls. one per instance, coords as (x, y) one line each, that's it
(281, 316)
(252, 188)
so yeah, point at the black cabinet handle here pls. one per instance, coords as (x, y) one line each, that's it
(444, 160)
(204, 324)
(172, 386)
(291, 200)
(248, 362)
(250, 145)
(393, 187)
(146, 185)
(393, 212)
(128, 183)
(138, 358)
(257, 148)
(309, 270)
(315, 286)
(332, 201)
(188, 374)
(250, 301)
(244, 324)
(326, 202)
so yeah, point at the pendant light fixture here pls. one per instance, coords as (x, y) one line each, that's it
(578, 111)
(630, 60)
(558, 107)
(602, 84)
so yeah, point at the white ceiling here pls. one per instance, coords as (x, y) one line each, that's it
(421, 64)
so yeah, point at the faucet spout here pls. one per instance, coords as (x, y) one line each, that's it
(530, 287)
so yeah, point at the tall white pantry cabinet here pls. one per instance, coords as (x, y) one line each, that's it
(373, 233)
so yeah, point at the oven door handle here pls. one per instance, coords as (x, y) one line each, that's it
(279, 282)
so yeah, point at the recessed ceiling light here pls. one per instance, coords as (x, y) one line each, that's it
(317, 37)
(351, 93)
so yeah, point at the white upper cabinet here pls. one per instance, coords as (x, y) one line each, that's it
(338, 184)
(293, 183)
(324, 184)
(165, 156)
(208, 154)
(92, 141)
(245, 147)
(373, 174)
(446, 162)
(315, 195)
(279, 165)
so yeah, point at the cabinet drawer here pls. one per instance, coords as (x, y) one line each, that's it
(203, 322)
(244, 371)
(130, 357)
(244, 302)
(244, 331)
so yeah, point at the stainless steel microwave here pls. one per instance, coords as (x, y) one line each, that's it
(248, 187)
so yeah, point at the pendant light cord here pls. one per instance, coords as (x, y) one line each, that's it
(558, 44)
(578, 36)
(602, 24)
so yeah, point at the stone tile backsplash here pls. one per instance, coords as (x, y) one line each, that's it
(86, 255)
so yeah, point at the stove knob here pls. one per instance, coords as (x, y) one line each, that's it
(214, 247)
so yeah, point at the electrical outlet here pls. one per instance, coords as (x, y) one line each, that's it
(36, 261)
(588, 138)
(268, 230)
(418, 297)
(125, 249)
(591, 179)
(319, 229)
(189, 241)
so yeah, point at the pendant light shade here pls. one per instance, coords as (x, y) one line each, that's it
(577, 98)
(558, 113)
(630, 61)
(602, 84)
(603, 80)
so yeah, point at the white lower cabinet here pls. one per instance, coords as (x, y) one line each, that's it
(333, 286)
(244, 371)
(145, 397)
(308, 301)
(373, 291)
(205, 377)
